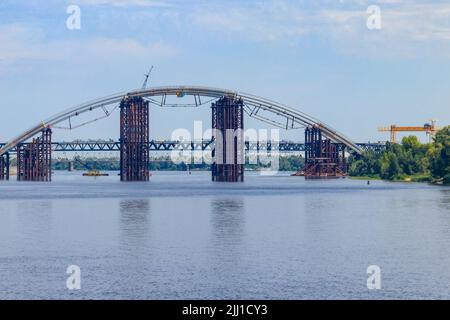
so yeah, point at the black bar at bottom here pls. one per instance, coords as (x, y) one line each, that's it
(249, 309)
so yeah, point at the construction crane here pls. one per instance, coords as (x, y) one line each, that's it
(144, 86)
(429, 128)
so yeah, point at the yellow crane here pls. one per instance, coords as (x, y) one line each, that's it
(429, 128)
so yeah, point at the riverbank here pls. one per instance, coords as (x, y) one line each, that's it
(410, 161)
(422, 178)
(364, 178)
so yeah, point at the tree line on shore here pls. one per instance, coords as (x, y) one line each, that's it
(286, 163)
(408, 161)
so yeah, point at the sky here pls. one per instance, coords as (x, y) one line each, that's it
(318, 56)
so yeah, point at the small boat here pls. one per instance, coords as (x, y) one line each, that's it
(95, 173)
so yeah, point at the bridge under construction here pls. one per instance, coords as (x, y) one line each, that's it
(324, 146)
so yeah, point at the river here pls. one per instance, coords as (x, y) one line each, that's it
(182, 236)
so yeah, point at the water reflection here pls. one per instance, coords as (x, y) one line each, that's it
(228, 221)
(134, 222)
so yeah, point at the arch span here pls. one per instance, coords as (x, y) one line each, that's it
(252, 103)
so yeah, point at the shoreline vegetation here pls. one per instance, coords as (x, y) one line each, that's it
(410, 161)
(286, 163)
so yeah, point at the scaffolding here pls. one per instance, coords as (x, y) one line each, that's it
(134, 139)
(228, 126)
(34, 160)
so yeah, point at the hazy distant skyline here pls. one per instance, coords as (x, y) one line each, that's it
(316, 56)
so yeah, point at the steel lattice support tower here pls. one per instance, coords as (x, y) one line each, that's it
(228, 135)
(134, 139)
(4, 167)
(34, 160)
(323, 158)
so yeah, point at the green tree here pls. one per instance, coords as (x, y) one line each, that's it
(359, 168)
(440, 162)
(411, 143)
(410, 158)
(390, 167)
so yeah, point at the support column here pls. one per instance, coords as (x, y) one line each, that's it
(4, 167)
(134, 139)
(307, 144)
(323, 158)
(34, 160)
(228, 135)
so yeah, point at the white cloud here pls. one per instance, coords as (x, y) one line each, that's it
(265, 22)
(409, 28)
(15, 41)
(101, 48)
(18, 43)
(124, 3)
(405, 24)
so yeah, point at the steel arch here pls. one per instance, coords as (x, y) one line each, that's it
(250, 100)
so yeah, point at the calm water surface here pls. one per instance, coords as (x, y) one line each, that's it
(183, 237)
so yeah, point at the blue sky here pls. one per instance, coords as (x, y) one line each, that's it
(317, 56)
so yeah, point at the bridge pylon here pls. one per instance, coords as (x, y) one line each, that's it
(134, 139)
(34, 160)
(228, 135)
(4, 167)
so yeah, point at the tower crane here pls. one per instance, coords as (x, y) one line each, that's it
(144, 85)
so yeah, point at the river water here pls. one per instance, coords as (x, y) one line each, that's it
(181, 236)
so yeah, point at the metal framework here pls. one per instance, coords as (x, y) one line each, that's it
(168, 145)
(254, 107)
(228, 126)
(323, 158)
(34, 160)
(134, 139)
(4, 167)
(429, 128)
